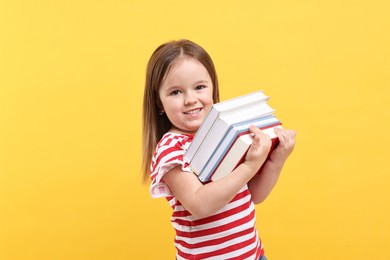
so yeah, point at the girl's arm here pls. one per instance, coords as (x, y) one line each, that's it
(203, 200)
(262, 184)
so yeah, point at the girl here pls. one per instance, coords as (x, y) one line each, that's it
(213, 220)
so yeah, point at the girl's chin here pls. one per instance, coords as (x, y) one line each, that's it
(190, 130)
(185, 130)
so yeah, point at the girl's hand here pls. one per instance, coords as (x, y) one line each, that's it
(259, 149)
(285, 146)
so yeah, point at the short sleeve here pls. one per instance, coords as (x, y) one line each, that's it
(168, 155)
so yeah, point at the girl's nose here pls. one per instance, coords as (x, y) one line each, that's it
(190, 99)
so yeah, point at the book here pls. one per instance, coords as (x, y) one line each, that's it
(230, 106)
(205, 169)
(219, 129)
(236, 154)
(223, 125)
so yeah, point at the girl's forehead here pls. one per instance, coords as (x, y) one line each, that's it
(183, 58)
(178, 62)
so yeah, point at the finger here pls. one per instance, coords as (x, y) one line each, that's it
(255, 140)
(264, 139)
(253, 129)
(278, 128)
(280, 134)
(286, 137)
(259, 138)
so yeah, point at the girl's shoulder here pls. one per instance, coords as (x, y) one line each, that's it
(169, 154)
(180, 141)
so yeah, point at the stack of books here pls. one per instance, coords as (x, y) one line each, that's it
(223, 139)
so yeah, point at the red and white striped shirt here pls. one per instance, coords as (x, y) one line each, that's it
(230, 233)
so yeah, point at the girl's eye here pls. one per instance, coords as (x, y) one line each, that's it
(200, 87)
(175, 92)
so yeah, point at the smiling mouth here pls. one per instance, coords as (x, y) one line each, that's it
(193, 111)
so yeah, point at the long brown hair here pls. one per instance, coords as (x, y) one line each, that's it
(154, 124)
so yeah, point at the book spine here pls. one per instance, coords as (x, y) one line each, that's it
(208, 145)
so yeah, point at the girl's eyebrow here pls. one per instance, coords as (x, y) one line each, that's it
(170, 88)
(202, 82)
(173, 87)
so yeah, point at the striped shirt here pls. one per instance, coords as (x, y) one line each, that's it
(230, 233)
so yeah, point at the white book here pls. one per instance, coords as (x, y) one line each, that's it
(217, 110)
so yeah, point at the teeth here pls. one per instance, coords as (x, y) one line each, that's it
(192, 111)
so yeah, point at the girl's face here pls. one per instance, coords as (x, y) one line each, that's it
(186, 95)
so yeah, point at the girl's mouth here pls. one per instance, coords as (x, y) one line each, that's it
(193, 111)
